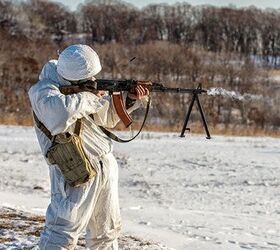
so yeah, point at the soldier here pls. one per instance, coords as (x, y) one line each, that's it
(94, 204)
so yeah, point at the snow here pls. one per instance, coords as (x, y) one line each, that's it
(21, 230)
(186, 193)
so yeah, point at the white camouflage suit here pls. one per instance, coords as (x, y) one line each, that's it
(94, 205)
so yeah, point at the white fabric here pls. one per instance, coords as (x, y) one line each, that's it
(95, 204)
(59, 112)
(78, 62)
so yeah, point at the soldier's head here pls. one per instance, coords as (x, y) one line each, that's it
(78, 62)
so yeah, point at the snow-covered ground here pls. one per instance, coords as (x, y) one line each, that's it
(186, 193)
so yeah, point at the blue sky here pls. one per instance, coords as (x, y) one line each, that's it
(239, 3)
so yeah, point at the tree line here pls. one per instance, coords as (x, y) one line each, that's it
(181, 45)
(249, 31)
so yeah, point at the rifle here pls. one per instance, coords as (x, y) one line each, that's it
(115, 87)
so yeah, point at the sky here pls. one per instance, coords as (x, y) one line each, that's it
(238, 3)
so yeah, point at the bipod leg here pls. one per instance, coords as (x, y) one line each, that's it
(188, 116)
(203, 118)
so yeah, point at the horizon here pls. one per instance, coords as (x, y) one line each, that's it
(274, 4)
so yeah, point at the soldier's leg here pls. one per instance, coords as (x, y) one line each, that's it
(69, 212)
(105, 224)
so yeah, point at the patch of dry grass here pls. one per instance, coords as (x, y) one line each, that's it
(17, 225)
(16, 119)
(196, 128)
(274, 72)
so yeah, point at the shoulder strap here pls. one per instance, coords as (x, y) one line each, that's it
(43, 128)
(78, 127)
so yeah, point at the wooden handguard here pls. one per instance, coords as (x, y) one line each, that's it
(121, 110)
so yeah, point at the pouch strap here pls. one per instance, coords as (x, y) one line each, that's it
(78, 126)
(42, 127)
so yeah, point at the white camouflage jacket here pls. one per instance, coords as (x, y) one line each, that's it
(59, 112)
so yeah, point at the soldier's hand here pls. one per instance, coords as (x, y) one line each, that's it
(141, 90)
(100, 93)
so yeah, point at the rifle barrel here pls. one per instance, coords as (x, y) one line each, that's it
(178, 90)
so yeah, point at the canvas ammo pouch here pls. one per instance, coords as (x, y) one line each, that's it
(68, 154)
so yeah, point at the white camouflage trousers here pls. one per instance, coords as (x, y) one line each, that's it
(93, 206)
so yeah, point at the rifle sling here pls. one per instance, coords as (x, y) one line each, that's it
(116, 138)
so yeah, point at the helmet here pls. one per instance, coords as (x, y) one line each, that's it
(78, 62)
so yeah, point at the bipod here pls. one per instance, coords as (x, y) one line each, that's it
(196, 99)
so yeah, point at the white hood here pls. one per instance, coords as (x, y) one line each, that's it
(49, 72)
